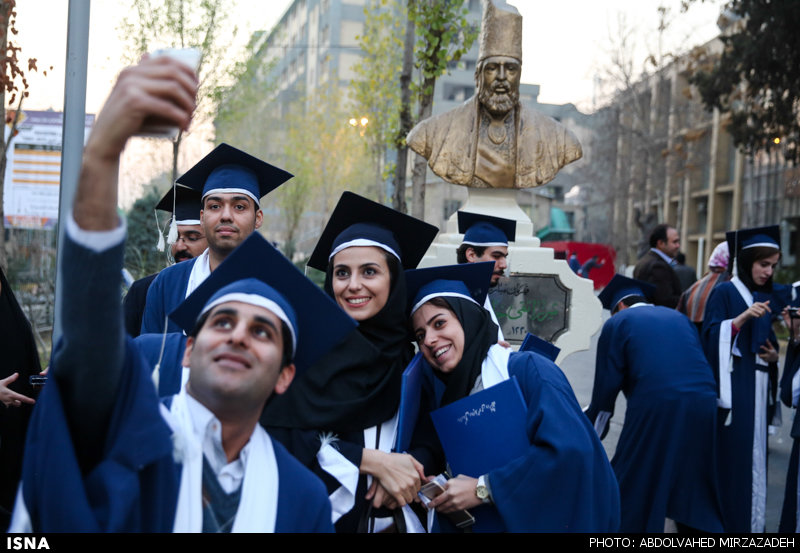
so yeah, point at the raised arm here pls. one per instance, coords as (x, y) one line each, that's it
(88, 361)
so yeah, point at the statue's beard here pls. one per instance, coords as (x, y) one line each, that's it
(498, 103)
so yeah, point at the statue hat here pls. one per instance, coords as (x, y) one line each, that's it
(501, 31)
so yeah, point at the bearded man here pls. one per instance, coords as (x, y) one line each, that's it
(491, 141)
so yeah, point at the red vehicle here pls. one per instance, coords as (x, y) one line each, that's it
(593, 261)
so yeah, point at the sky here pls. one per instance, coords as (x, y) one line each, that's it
(565, 43)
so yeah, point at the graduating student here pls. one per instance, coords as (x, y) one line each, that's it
(352, 394)
(665, 459)
(189, 242)
(486, 238)
(743, 352)
(563, 483)
(231, 183)
(102, 454)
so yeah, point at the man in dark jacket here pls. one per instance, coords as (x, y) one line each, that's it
(655, 266)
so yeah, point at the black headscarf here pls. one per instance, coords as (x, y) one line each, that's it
(745, 258)
(19, 355)
(357, 384)
(480, 333)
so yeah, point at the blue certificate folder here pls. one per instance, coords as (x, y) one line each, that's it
(410, 393)
(536, 344)
(482, 432)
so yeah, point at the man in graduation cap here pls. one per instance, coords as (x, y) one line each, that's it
(102, 453)
(184, 205)
(665, 459)
(231, 183)
(486, 238)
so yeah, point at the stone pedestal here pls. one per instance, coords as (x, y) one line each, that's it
(541, 293)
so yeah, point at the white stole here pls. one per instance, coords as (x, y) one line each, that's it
(258, 505)
(494, 368)
(761, 391)
(487, 305)
(201, 269)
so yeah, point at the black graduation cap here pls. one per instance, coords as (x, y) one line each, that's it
(738, 240)
(184, 204)
(542, 347)
(485, 230)
(468, 281)
(228, 169)
(621, 287)
(358, 221)
(321, 324)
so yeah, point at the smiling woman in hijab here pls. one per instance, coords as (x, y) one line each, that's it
(20, 361)
(562, 480)
(340, 417)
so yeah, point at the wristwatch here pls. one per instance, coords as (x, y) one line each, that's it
(482, 490)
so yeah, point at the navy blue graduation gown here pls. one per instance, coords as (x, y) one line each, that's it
(167, 292)
(133, 488)
(735, 441)
(564, 482)
(665, 460)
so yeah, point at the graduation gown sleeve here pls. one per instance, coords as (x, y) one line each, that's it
(106, 454)
(564, 483)
(609, 376)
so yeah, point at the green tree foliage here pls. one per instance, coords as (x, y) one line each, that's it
(443, 35)
(376, 92)
(327, 156)
(141, 256)
(756, 78)
(311, 138)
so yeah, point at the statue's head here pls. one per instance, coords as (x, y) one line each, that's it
(497, 74)
(497, 78)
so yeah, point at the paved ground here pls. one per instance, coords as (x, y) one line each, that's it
(579, 368)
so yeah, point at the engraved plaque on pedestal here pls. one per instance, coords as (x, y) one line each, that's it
(535, 303)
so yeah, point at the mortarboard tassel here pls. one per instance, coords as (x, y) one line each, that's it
(173, 232)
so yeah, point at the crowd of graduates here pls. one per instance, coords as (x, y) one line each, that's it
(387, 401)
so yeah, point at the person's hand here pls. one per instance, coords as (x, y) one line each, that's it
(792, 323)
(160, 87)
(380, 497)
(399, 474)
(768, 353)
(459, 494)
(503, 343)
(9, 397)
(758, 309)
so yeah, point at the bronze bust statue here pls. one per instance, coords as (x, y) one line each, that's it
(491, 141)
